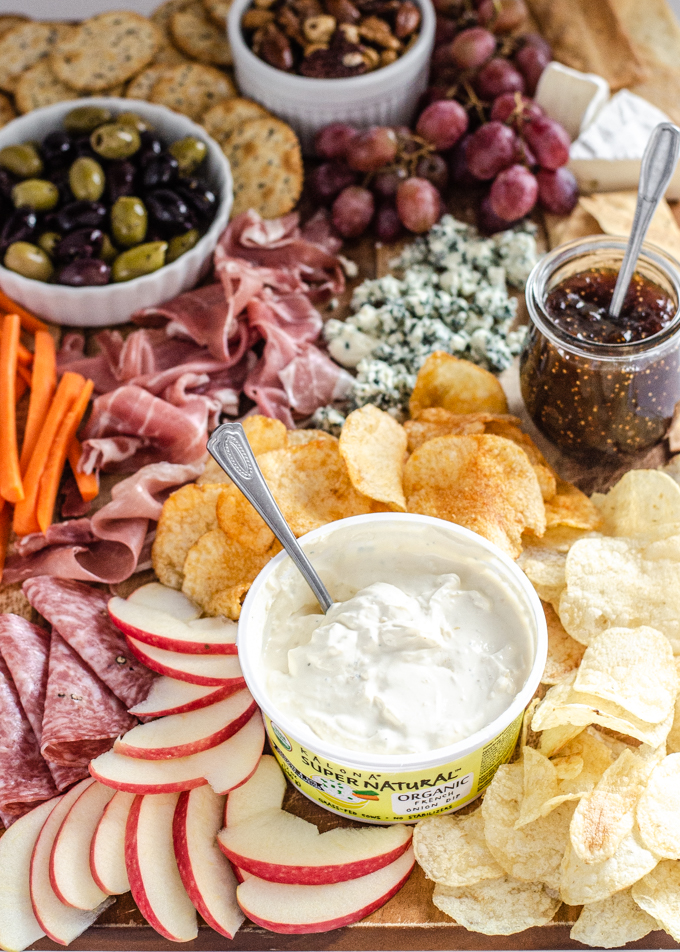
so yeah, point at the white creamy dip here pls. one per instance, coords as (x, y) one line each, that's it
(419, 651)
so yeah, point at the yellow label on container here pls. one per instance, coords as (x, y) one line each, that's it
(386, 797)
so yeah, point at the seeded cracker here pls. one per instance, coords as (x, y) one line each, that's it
(192, 89)
(142, 85)
(266, 163)
(105, 50)
(7, 112)
(194, 34)
(9, 21)
(227, 116)
(22, 47)
(217, 10)
(38, 87)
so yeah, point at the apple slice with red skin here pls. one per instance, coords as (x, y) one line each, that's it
(202, 636)
(206, 873)
(264, 791)
(70, 873)
(59, 922)
(180, 735)
(169, 696)
(107, 849)
(224, 767)
(284, 848)
(164, 599)
(297, 909)
(204, 669)
(152, 868)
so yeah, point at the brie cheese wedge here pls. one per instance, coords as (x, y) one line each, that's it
(570, 97)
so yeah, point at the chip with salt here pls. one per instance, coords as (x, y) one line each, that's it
(545, 568)
(555, 739)
(658, 810)
(263, 433)
(570, 507)
(298, 437)
(456, 385)
(435, 421)
(584, 883)
(239, 520)
(644, 502)
(540, 787)
(497, 906)
(186, 515)
(611, 923)
(452, 850)
(596, 756)
(658, 893)
(373, 445)
(564, 653)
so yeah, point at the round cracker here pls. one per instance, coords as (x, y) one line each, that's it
(228, 115)
(9, 21)
(105, 50)
(217, 10)
(198, 37)
(38, 87)
(266, 163)
(169, 55)
(192, 89)
(22, 47)
(7, 112)
(142, 85)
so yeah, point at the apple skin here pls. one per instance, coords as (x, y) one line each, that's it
(119, 608)
(147, 708)
(118, 807)
(172, 666)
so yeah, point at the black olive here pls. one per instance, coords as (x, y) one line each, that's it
(20, 226)
(169, 212)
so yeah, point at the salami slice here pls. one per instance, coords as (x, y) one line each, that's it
(24, 777)
(82, 717)
(79, 614)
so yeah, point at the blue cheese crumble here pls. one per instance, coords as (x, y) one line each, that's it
(451, 295)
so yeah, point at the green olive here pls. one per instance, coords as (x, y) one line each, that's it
(21, 160)
(133, 119)
(128, 221)
(37, 194)
(48, 241)
(85, 119)
(86, 179)
(189, 152)
(29, 260)
(180, 244)
(115, 141)
(135, 262)
(108, 252)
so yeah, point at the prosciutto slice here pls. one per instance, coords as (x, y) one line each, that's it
(82, 716)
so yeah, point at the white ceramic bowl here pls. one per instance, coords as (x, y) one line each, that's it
(114, 303)
(387, 96)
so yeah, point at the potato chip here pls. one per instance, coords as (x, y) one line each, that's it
(564, 653)
(591, 882)
(611, 923)
(456, 385)
(544, 474)
(658, 893)
(555, 739)
(264, 433)
(539, 787)
(213, 473)
(673, 739)
(373, 445)
(558, 538)
(658, 811)
(299, 437)
(497, 906)
(239, 520)
(595, 755)
(186, 515)
(435, 421)
(570, 507)
(644, 502)
(484, 483)
(452, 850)
(545, 568)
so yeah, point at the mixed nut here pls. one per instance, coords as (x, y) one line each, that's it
(103, 200)
(331, 39)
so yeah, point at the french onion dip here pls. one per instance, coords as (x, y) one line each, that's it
(419, 651)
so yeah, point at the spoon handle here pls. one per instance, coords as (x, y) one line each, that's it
(229, 447)
(658, 164)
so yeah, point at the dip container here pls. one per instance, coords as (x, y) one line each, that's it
(388, 788)
(592, 399)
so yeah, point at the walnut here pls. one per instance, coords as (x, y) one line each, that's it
(387, 57)
(371, 57)
(254, 19)
(378, 31)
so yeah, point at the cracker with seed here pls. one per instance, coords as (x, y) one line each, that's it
(7, 112)
(9, 21)
(227, 116)
(198, 37)
(266, 164)
(169, 55)
(105, 50)
(142, 85)
(217, 10)
(38, 87)
(22, 47)
(192, 89)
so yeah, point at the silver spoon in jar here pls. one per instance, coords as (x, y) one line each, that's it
(657, 167)
(229, 447)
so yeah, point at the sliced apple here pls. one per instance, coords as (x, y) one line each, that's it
(302, 909)
(152, 868)
(180, 735)
(169, 696)
(224, 767)
(164, 599)
(264, 791)
(198, 668)
(70, 873)
(18, 926)
(203, 636)
(107, 850)
(61, 923)
(206, 873)
(284, 848)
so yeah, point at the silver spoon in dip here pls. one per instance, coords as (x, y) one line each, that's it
(229, 447)
(658, 164)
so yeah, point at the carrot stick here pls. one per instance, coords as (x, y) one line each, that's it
(51, 477)
(11, 488)
(43, 387)
(21, 388)
(28, 321)
(24, 356)
(5, 525)
(88, 483)
(25, 375)
(25, 518)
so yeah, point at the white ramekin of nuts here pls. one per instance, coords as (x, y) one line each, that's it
(366, 61)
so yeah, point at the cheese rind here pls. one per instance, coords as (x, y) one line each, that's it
(572, 98)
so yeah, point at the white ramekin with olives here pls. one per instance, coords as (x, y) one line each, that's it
(108, 205)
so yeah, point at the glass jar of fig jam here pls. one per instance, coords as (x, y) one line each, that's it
(596, 387)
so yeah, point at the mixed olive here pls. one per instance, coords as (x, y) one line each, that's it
(104, 200)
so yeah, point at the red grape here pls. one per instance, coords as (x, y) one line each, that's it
(531, 61)
(491, 149)
(352, 211)
(488, 221)
(513, 193)
(557, 191)
(443, 123)
(333, 141)
(444, 31)
(458, 167)
(535, 39)
(548, 140)
(502, 16)
(432, 94)
(418, 204)
(386, 183)
(472, 47)
(372, 149)
(388, 225)
(524, 155)
(435, 170)
(328, 180)
(496, 77)
(507, 104)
